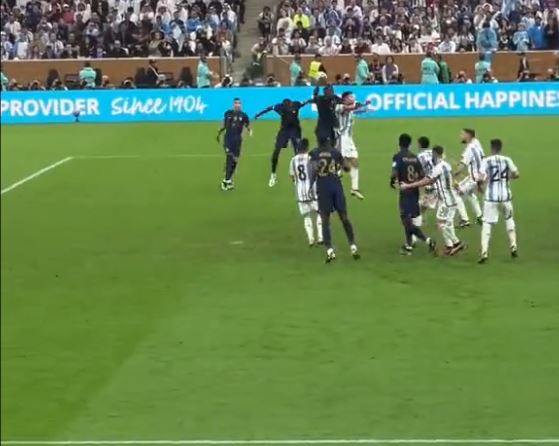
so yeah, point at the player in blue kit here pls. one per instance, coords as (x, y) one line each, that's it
(406, 168)
(290, 130)
(326, 162)
(327, 125)
(234, 122)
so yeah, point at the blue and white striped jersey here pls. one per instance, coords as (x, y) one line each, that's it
(442, 172)
(496, 171)
(299, 170)
(345, 120)
(425, 158)
(472, 157)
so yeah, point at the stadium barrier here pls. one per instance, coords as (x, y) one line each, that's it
(399, 101)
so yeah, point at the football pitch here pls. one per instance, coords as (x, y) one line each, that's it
(140, 303)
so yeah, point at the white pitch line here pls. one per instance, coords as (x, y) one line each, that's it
(405, 441)
(171, 155)
(35, 175)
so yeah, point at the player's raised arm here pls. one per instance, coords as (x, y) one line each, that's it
(263, 112)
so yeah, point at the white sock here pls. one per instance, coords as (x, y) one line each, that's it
(511, 232)
(461, 207)
(417, 221)
(354, 174)
(474, 202)
(442, 227)
(485, 236)
(309, 228)
(318, 228)
(448, 229)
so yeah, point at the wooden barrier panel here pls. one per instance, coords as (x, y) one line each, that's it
(117, 69)
(505, 65)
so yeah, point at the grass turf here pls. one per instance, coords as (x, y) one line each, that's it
(131, 310)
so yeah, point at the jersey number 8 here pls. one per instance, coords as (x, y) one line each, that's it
(301, 172)
(413, 175)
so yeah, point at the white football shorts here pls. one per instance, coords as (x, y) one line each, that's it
(306, 207)
(492, 209)
(445, 213)
(347, 147)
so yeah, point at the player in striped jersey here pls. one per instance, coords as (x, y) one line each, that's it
(441, 177)
(299, 171)
(425, 156)
(346, 145)
(497, 171)
(471, 160)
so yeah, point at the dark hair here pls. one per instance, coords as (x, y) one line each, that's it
(345, 94)
(404, 141)
(496, 145)
(236, 99)
(423, 142)
(87, 64)
(303, 145)
(470, 132)
(439, 150)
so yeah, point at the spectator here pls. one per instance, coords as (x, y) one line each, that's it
(488, 78)
(487, 39)
(520, 39)
(3, 80)
(329, 49)
(523, 65)
(552, 75)
(204, 75)
(152, 75)
(462, 78)
(390, 71)
(447, 45)
(445, 76)
(362, 73)
(316, 69)
(552, 32)
(295, 69)
(536, 33)
(380, 46)
(429, 70)
(481, 67)
(88, 76)
(265, 22)
(300, 16)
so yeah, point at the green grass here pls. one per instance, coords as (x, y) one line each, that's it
(128, 314)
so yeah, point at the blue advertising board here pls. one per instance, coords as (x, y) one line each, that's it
(393, 101)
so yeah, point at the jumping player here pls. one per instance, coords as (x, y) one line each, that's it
(290, 130)
(326, 162)
(344, 115)
(471, 160)
(441, 177)
(327, 119)
(406, 170)
(496, 172)
(300, 173)
(234, 122)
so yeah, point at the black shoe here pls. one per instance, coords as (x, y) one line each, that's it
(479, 220)
(457, 248)
(432, 246)
(514, 252)
(406, 250)
(483, 259)
(464, 224)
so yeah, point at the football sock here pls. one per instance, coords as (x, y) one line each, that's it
(485, 236)
(309, 228)
(449, 226)
(319, 227)
(354, 174)
(408, 230)
(326, 235)
(275, 159)
(511, 231)
(230, 165)
(348, 231)
(474, 202)
(461, 208)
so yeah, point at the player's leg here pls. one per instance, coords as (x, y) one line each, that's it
(341, 207)
(318, 219)
(474, 203)
(281, 143)
(306, 212)
(490, 218)
(463, 189)
(511, 227)
(325, 209)
(457, 244)
(231, 159)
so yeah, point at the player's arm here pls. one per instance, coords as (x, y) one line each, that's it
(246, 123)
(394, 174)
(360, 107)
(420, 183)
(222, 129)
(263, 112)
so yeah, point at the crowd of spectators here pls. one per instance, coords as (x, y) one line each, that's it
(331, 27)
(66, 29)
